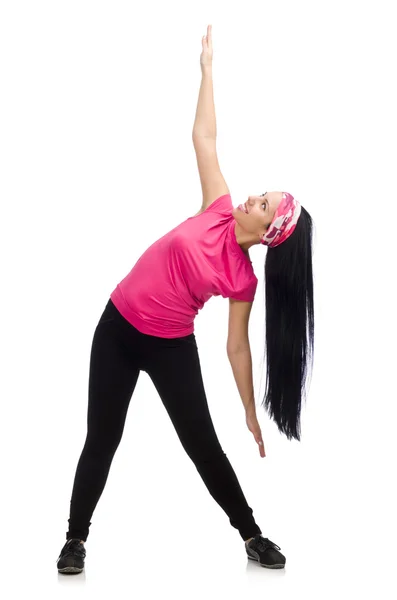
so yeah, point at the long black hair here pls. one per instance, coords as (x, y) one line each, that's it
(289, 325)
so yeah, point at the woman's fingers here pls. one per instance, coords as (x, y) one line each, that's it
(206, 41)
(207, 38)
(261, 446)
(209, 34)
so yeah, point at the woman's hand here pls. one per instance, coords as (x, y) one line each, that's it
(253, 426)
(206, 55)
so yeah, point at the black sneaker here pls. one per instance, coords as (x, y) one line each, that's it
(71, 558)
(265, 552)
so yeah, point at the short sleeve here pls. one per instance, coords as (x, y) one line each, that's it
(248, 294)
(222, 205)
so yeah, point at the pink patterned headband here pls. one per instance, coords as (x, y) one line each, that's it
(284, 221)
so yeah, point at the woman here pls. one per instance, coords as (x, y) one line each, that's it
(148, 325)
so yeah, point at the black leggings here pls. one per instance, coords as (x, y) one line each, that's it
(119, 351)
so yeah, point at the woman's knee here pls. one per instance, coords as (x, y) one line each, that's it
(201, 449)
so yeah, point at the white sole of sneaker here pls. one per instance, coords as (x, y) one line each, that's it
(70, 570)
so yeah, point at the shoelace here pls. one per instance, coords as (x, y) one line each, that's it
(72, 547)
(264, 543)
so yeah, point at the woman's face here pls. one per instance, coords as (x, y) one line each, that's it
(260, 212)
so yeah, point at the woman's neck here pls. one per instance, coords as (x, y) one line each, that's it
(244, 239)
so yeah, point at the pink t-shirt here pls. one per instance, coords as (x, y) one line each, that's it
(176, 275)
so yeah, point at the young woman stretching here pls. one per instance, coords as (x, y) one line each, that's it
(148, 323)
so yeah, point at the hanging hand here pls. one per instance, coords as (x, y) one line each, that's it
(253, 426)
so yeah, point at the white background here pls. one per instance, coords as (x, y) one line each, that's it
(98, 101)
